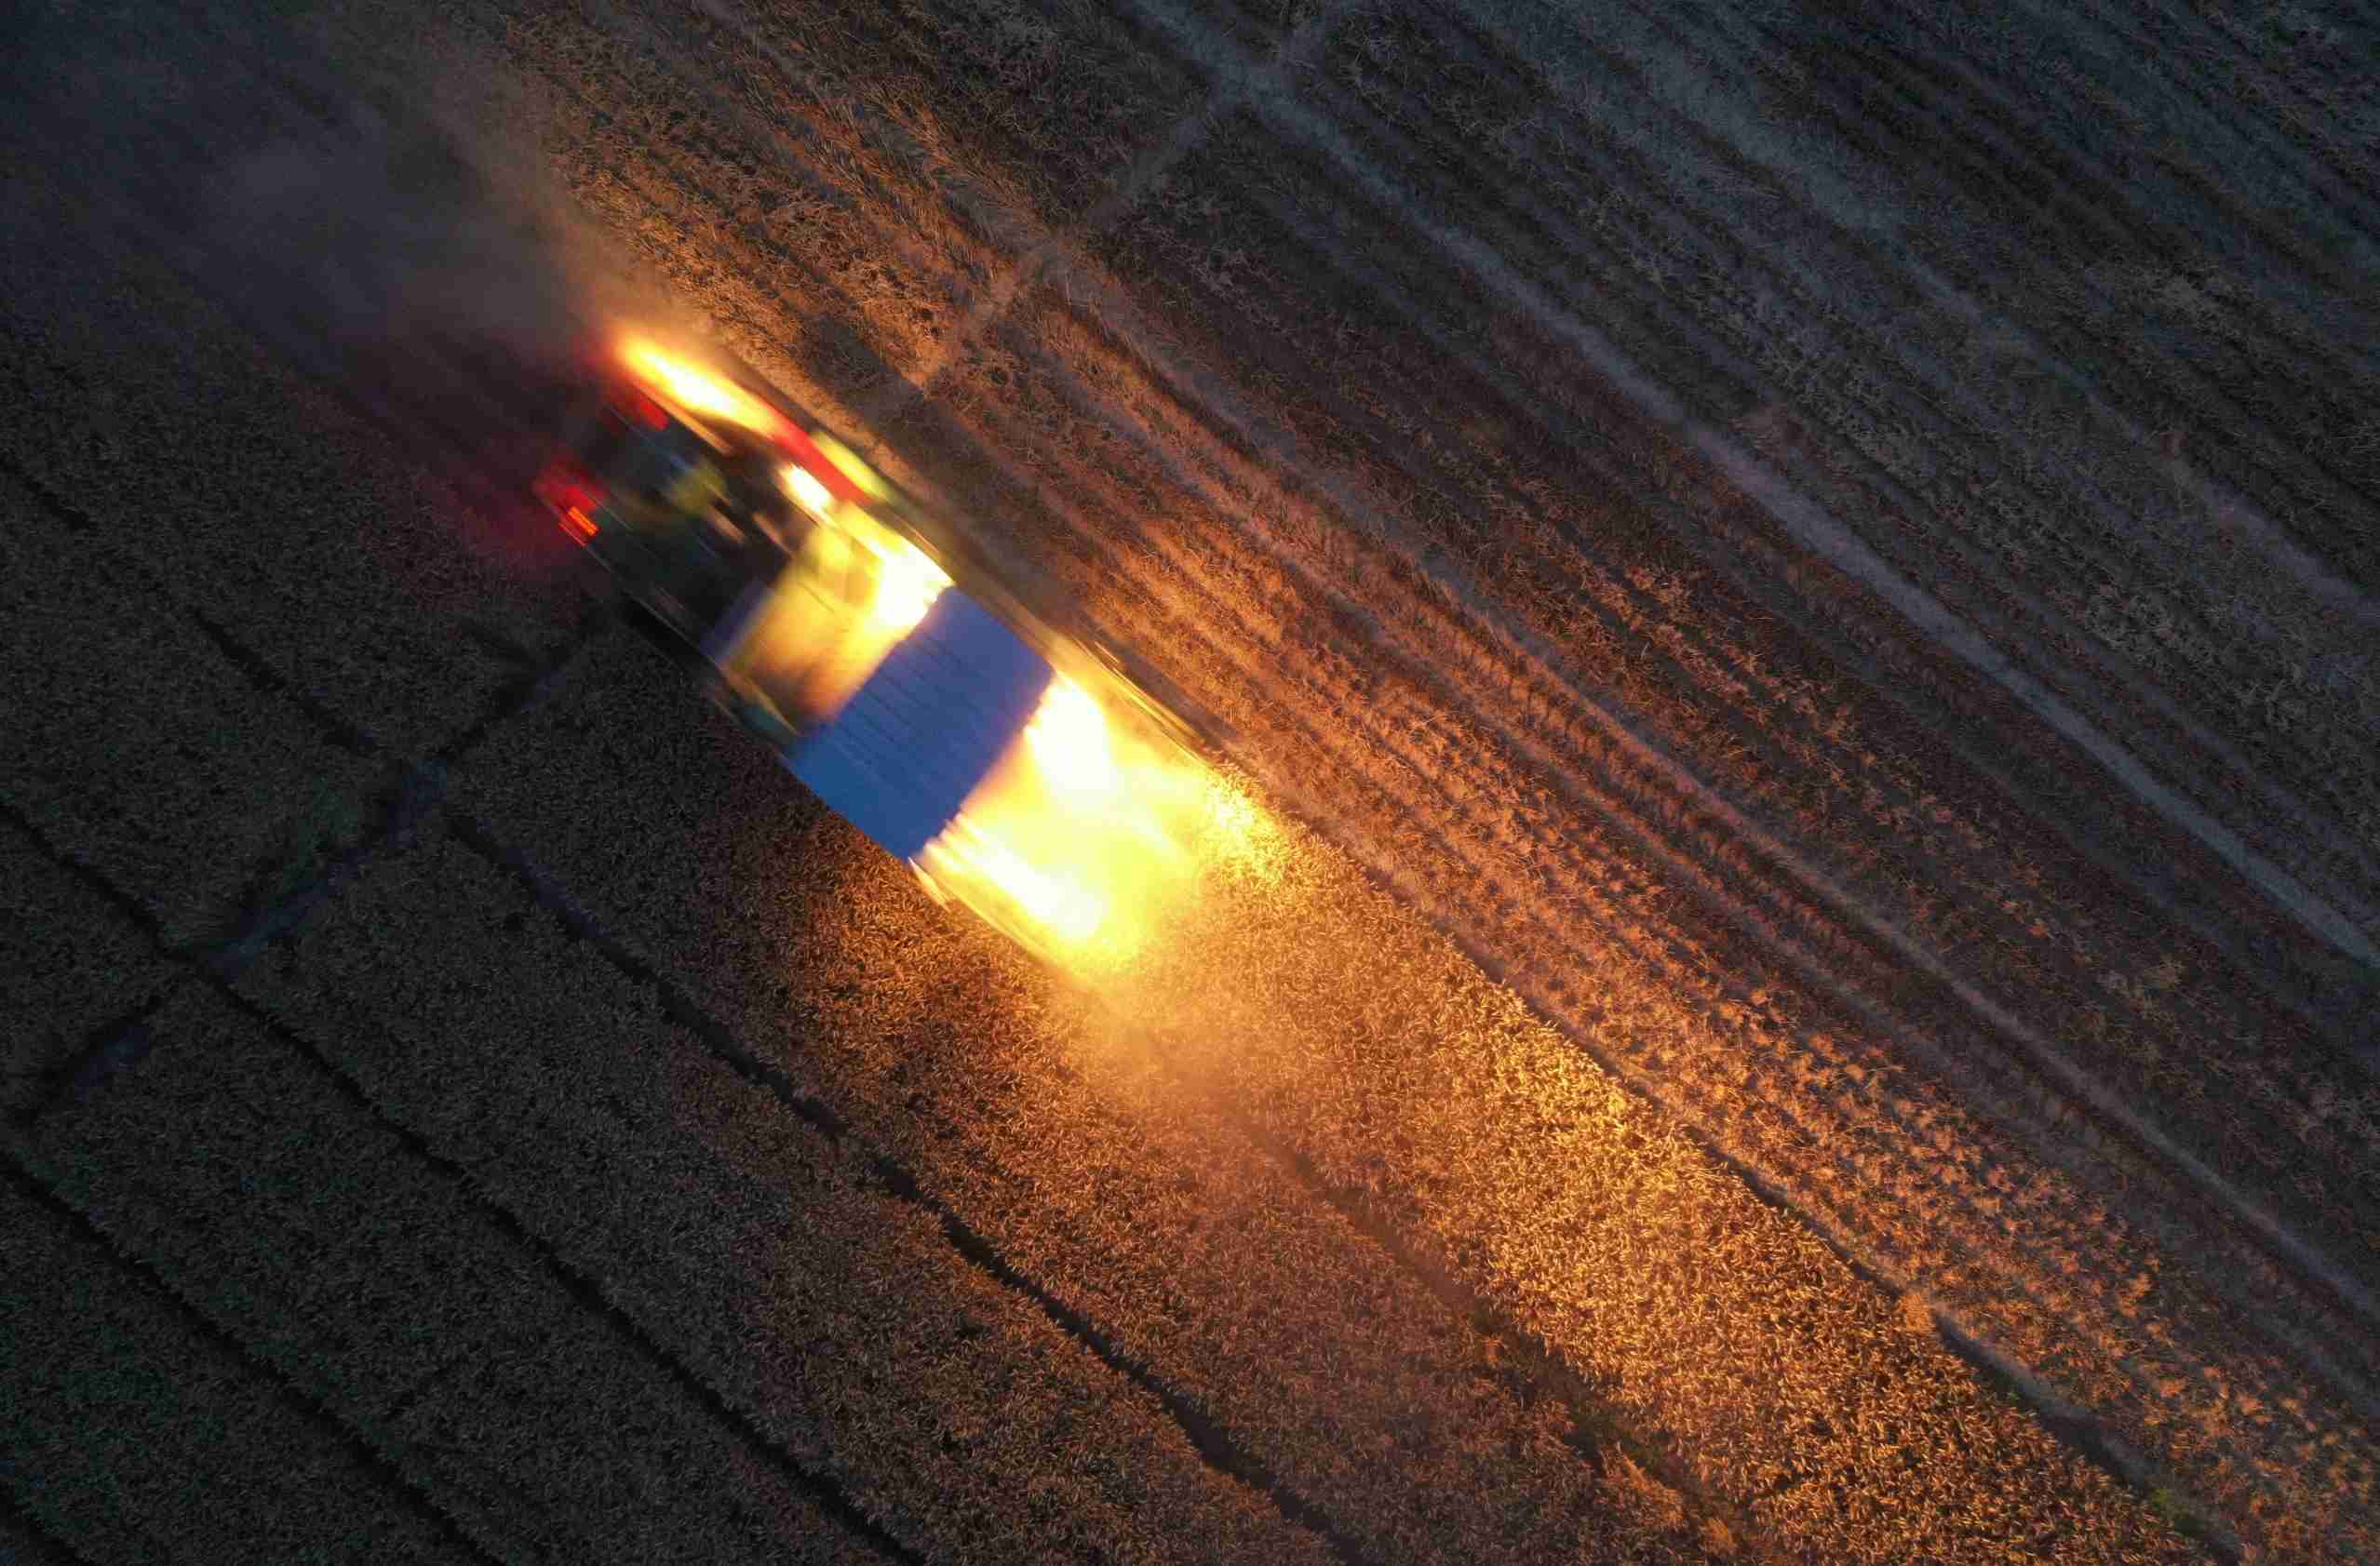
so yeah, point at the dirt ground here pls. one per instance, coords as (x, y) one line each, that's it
(1790, 595)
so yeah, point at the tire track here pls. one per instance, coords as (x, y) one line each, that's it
(1991, 161)
(1929, 406)
(1818, 531)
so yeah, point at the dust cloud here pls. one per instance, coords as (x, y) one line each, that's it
(374, 201)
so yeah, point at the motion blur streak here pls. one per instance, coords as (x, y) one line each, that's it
(1089, 842)
(696, 391)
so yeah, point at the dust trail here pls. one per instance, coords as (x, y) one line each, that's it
(375, 207)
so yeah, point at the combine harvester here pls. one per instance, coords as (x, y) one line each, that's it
(1014, 769)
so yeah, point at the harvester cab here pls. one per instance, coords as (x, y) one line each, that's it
(685, 516)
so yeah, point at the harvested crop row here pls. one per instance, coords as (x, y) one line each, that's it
(1666, 216)
(2257, 612)
(2056, 208)
(1185, 1246)
(2287, 1097)
(263, 1195)
(767, 1256)
(1902, 1116)
(131, 1428)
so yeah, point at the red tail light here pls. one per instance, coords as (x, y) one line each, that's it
(573, 497)
(633, 403)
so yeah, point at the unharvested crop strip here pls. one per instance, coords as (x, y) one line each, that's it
(307, 1408)
(2313, 573)
(1215, 1445)
(2302, 114)
(624, 174)
(821, 1489)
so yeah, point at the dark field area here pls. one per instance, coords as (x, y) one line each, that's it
(1790, 598)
